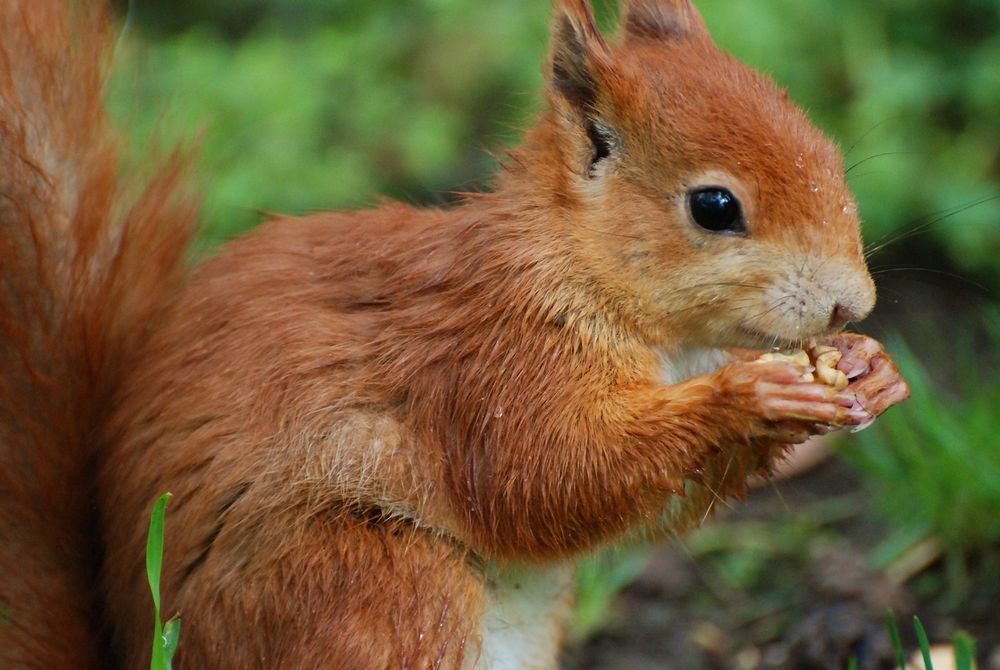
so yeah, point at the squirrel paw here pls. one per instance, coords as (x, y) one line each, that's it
(875, 381)
(785, 408)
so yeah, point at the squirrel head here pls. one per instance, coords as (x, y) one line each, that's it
(694, 190)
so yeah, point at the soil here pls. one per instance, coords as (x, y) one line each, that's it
(783, 582)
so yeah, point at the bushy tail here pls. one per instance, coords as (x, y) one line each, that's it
(86, 261)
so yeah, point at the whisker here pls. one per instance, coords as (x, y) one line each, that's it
(777, 305)
(885, 289)
(819, 266)
(869, 173)
(883, 155)
(934, 218)
(610, 234)
(934, 271)
(715, 493)
(878, 125)
(690, 308)
(773, 485)
(697, 567)
(721, 284)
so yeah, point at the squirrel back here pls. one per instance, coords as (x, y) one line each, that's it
(88, 261)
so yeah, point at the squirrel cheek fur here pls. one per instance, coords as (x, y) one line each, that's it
(684, 115)
(379, 426)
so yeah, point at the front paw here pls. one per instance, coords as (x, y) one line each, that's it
(783, 407)
(875, 381)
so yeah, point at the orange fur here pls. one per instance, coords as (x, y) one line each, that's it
(362, 415)
(85, 268)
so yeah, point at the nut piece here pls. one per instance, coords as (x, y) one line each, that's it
(826, 359)
(820, 362)
(796, 358)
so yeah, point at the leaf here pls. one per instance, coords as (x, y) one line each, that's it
(171, 638)
(154, 547)
(160, 657)
(158, 660)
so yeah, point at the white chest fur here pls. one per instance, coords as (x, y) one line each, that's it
(687, 362)
(526, 616)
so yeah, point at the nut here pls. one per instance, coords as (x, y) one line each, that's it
(825, 359)
(796, 358)
(820, 363)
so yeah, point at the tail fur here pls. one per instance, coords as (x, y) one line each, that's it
(86, 262)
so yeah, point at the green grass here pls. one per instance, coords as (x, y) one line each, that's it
(934, 461)
(925, 645)
(599, 579)
(320, 104)
(965, 647)
(165, 637)
(897, 642)
(965, 651)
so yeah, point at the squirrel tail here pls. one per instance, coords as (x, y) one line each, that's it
(86, 261)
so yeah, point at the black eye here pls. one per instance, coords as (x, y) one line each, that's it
(717, 210)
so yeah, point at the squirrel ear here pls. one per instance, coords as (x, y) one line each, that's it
(661, 19)
(579, 53)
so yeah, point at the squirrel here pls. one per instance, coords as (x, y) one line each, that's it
(389, 433)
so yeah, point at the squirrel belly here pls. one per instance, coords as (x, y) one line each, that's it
(390, 433)
(525, 619)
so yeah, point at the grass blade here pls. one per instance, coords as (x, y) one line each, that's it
(897, 643)
(925, 645)
(158, 659)
(154, 547)
(965, 651)
(171, 638)
(164, 644)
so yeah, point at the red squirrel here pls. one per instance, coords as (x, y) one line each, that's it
(389, 433)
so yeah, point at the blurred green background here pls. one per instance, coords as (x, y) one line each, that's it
(320, 104)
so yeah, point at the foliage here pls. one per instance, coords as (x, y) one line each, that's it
(935, 460)
(165, 637)
(599, 580)
(329, 103)
(388, 103)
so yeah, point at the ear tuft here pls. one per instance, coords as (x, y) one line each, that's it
(577, 50)
(661, 19)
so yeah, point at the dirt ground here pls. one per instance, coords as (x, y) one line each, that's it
(782, 582)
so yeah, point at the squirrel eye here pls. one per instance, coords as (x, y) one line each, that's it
(717, 210)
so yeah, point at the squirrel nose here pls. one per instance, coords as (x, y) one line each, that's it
(841, 316)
